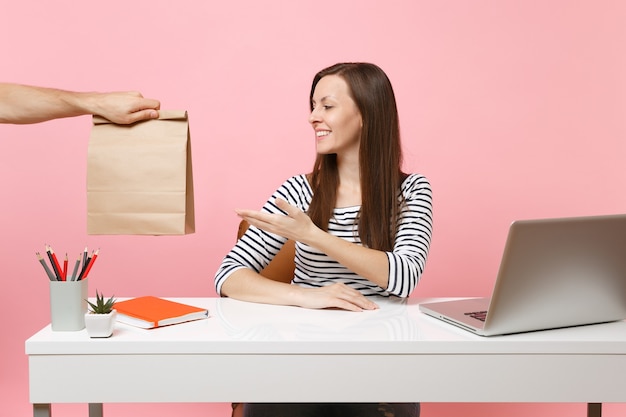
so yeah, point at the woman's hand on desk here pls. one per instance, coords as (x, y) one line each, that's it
(246, 285)
(333, 296)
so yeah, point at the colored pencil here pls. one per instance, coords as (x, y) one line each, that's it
(76, 265)
(85, 261)
(65, 268)
(45, 267)
(55, 263)
(91, 262)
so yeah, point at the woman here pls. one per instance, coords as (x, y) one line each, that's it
(345, 252)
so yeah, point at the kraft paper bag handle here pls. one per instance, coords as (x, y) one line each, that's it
(163, 115)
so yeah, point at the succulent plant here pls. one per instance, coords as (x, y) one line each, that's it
(101, 306)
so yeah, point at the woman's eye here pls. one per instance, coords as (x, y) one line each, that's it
(327, 107)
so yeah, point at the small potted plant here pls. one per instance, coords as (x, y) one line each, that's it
(100, 320)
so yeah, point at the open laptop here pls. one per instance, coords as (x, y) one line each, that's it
(553, 273)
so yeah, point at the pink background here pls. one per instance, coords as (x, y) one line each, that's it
(513, 109)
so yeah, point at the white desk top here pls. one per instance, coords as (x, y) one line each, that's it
(398, 327)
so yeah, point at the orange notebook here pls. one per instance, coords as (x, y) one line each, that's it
(149, 312)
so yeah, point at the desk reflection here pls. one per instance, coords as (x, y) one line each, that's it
(263, 322)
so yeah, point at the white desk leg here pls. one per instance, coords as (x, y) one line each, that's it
(41, 410)
(95, 410)
(594, 409)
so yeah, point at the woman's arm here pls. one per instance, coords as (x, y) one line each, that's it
(398, 271)
(238, 276)
(247, 285)
(296, 225)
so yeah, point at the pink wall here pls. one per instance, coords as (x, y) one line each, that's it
(513, 109)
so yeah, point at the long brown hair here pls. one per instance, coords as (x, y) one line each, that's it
(380, 157)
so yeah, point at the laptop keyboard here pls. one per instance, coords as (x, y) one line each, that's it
(478, 315)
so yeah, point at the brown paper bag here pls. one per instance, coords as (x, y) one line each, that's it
(139, 177)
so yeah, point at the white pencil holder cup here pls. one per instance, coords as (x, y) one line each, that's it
(68, 305)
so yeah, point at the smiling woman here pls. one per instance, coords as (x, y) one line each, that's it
(345, 255)
(336, 120)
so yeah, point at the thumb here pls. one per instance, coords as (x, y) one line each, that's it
(284, 206)
(292, 211)
(144, 115)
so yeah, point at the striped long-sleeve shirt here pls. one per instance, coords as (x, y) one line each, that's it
(315, 269)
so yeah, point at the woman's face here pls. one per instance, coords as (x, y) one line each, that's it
(335, 117)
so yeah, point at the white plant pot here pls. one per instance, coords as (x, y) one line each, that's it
(100, 325)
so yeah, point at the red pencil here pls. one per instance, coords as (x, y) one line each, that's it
(55, 263)
(93, 259)
(65, 268)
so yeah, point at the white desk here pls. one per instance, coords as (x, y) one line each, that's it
(256, 353)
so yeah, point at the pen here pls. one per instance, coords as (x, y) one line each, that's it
(43, 263)
(91, 262)
(76, 265)
(54, 262)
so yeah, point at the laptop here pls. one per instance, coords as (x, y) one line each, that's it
(554, 273)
